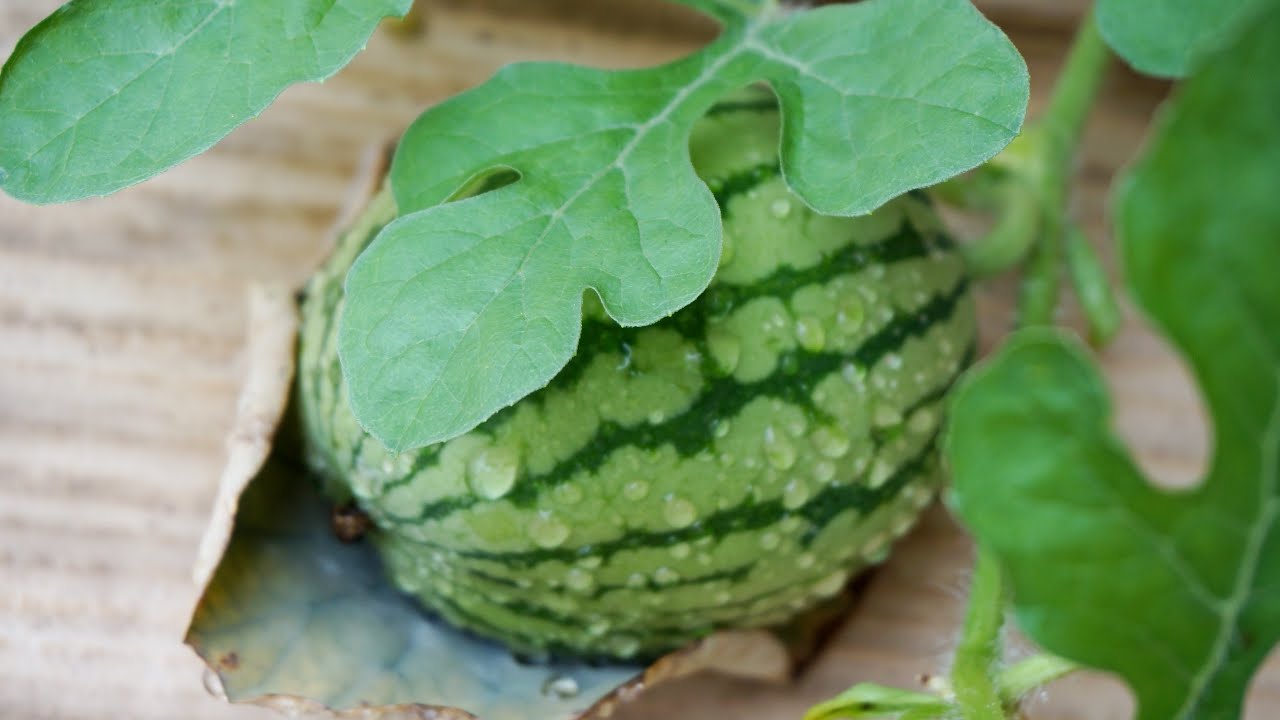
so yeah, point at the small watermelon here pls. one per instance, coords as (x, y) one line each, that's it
(730, 466)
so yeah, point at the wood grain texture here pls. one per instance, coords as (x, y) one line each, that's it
(122, 349)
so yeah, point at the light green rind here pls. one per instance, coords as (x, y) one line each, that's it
(729, 466)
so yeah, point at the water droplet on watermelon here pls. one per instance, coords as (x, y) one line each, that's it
(809, 333)
(880, 473)
(780, 208)
(548, 531)
(770, 541)
(561, 687)
(797, 426)
(893, 361)
(824, 471)
(636, 580)
(656, 417)
(778, 450)
(722, 428)
(850, 315)
(680, 551)
(568, 494)
(679, 512)
(492, 473)
(853, 375)
(625, 645)
(598, 627)
(806, 560)
(723, 597)
(579, 579)
(921, 422)
(665, 575)
(635, 490)
(795, 494)
(877, 548)
(727, 246)
(830, 442)
(725, 349)
(831, 584)
(886, 416)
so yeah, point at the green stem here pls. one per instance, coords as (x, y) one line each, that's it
(1039, 163)
(1056, 140)
(1073, 97)
(973, 673)
(1093, 288)
(1036, 671)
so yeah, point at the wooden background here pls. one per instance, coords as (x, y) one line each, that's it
(121, 352)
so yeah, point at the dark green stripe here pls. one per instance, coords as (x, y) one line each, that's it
(740, 182)
(792, 381)
(747, 517)
(764, 104)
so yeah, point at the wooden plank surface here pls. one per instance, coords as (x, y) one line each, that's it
(121, 351)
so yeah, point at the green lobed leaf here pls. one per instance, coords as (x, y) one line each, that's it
(106, 93)
(1179, 593)
(1164, 38)
(459, 309)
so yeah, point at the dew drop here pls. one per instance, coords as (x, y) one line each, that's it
(722, 428)
(824, 471)
(625, 645)
(560, 687)
(598, 627)
(921, 422)
(886, 415)
(656, 417)
(830, 442)
(851, 315)
(876, 549)
(778, 450)
(726, 459)
(795, 494)
(590, 561)
(725, 349)
(893, 361)
(723, 597)
(806, 560)
(679, 512)
(809, 333)
(635, 490)
(568, 494)
(665, 575)
(388, 466)
(727, 248)
(680, 551)
(770, 541)
(853, 375)
(880, 473)
(636, 580)
(797, 426)
(704, 559)
(548, 531)
(831, 584)
(492, 473)
(780, 208)
(580, 580)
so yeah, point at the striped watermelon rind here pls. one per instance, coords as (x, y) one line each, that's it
(729, 466)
